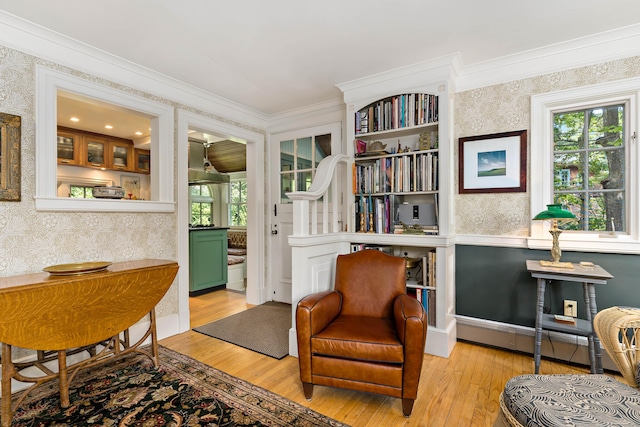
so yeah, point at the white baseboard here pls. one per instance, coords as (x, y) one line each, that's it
(559, 346)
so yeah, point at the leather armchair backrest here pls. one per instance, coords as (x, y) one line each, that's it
(369, 281)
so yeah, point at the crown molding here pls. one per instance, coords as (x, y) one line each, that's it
(35, 40)
(589, 50)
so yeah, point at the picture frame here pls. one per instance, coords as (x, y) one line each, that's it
(10, 172)
(494, 163)
(131, 186)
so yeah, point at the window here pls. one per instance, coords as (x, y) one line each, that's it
(201, 205)
(589, 165)
(299, 159)
(49, 83)
(238, 204)
(582, 157)
(80, 192)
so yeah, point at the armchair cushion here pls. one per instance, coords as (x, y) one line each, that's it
(360, 338)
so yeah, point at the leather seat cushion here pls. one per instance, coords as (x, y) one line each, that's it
(359, 338)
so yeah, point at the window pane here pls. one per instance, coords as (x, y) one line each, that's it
(323, 148)
(568, 171)
(568, 131)
(605, 126)
(205, 191)
(305, 153)
(286, 186)
(304, 181)
(287, 153)
(195, 190)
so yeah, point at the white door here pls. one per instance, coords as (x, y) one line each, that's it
(294, 158)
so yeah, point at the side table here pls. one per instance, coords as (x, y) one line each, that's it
(589, 276)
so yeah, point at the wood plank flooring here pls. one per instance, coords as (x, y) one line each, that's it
(461, 390)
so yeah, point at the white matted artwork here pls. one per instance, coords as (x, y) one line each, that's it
(131, 186)
(493, 163)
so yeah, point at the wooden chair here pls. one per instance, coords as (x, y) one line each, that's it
(366, 334)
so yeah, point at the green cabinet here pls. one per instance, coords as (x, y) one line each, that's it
(207, 258)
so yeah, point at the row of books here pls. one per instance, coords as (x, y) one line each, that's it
(426, 297)
(397, 112)
(381, 214)
(399, 174)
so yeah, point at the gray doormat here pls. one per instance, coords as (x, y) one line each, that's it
(263, 329)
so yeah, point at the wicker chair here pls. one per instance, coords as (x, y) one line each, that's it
(550, 400)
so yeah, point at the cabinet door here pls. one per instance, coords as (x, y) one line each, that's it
(95, 152)
(207, 259)
(122, 156)
(68, 148)
(142, 160)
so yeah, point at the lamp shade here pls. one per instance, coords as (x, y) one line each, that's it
(554, 211)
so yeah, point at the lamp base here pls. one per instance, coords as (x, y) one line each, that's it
(556, 264)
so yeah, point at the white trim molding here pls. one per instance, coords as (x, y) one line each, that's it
(541, 136)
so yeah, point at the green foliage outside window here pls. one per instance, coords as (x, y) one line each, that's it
(79, 192)
(589, 167)
(238, 205)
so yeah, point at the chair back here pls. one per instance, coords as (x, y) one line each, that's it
(619, 331)
(369, 281)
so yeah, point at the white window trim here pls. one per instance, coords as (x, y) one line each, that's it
(542, 107)
(162, 157)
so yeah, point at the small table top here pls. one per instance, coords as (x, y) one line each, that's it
(578, 273)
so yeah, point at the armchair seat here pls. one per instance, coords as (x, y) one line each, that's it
(359, 338)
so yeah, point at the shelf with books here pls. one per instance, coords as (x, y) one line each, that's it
(397, 112)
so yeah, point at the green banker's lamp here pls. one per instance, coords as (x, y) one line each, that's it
(555, 213)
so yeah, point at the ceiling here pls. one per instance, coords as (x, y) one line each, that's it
(278, 55)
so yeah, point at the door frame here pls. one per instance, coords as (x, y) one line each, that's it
(256, 292)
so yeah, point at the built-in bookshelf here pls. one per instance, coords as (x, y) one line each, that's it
(401, 182)
(396, 165)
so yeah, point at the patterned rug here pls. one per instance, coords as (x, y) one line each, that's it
(182, 392)
(263, 329)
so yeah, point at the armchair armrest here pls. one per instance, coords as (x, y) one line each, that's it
(411, 326)
(313, 313)
(317, 310)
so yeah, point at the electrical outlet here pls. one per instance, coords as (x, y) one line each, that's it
(570, 308)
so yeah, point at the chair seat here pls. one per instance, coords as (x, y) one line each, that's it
(359, 338)
(575, 400)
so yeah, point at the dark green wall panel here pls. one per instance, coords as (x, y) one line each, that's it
(493, 283)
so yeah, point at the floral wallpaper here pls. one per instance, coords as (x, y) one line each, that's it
(32, 240)
(503, 108)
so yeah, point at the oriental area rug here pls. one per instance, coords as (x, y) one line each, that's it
(263, 329)
(182, 392)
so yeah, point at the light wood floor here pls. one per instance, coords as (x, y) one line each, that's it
(461, 390)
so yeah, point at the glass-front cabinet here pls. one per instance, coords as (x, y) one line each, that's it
(68, 148)
(142, 160)
(122, 156)
(95, 153)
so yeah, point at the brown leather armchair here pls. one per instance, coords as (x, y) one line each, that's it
(366, 334)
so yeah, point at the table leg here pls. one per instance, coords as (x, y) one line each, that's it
(8, 371)
(539, 312)
(62, 378)
(592, 310)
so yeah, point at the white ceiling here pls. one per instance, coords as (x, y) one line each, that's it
(278, 55)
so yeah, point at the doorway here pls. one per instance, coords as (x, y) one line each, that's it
(255, 292)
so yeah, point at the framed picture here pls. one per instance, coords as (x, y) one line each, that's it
(495, 163)
(10, 129)
(131, 186)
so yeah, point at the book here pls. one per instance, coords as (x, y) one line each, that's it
(564, 319)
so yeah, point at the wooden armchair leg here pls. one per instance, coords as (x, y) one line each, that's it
(308, 390)
(407, 406)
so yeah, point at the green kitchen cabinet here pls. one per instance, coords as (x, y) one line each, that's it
(207, 258)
